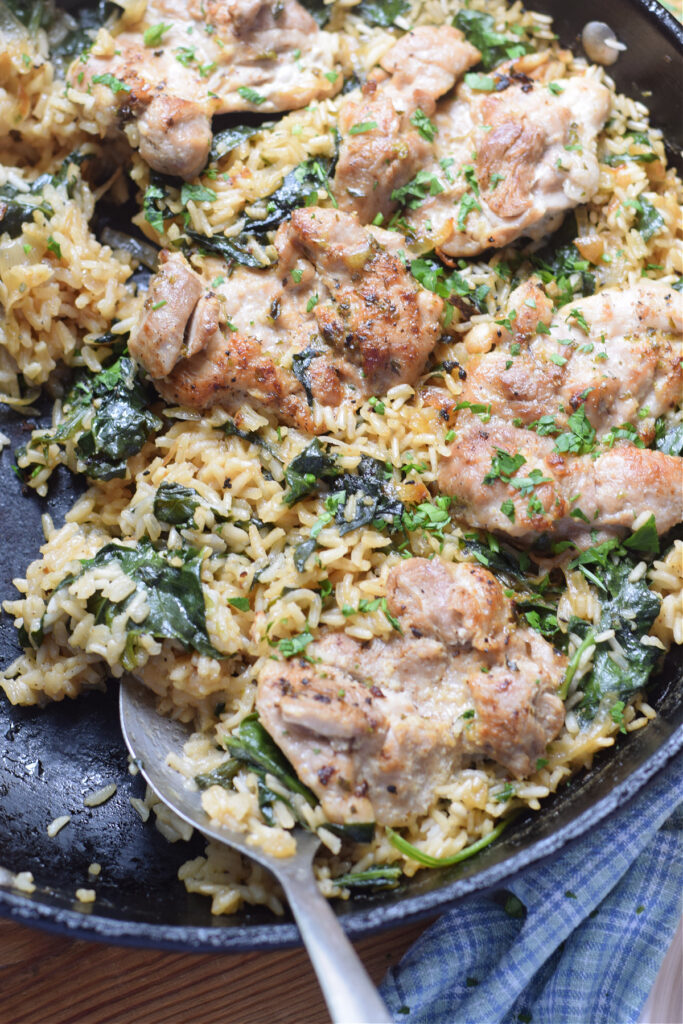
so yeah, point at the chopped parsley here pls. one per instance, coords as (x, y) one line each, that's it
(251, 96)
(290, 646)
(196, 193)
(508, 509)
(577, 316)
(54, 247)
(113, 83)
(361, 127)
(478, 408)
(481, 83)
(580, 438)
(426, 128)
(153, 35)
(503, 466)
(412, 194)
(467, 205)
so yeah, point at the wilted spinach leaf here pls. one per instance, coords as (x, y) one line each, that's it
(313, 465)
(649, 220)
(33, 14)
(494, 47)
(629, 609)
(301, 362)
(113, 403)
(173, 592)
(227, 140)
(500, 558)
(254, 747)
(298, 188)
(79, 37)
(559, 265)
(376, 499)
(175, 504)
(381, 12)
(222, 775)
(318, 10)
(17, 207)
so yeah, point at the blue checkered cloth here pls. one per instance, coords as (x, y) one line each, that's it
(599, 920)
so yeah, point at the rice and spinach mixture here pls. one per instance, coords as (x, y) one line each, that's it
(362, 322)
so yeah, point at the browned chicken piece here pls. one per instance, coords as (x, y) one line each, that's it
(337, 292)
(511, 480)
(617, 353)
(455, 603)
(200, 59)
(542, 457)
(159, 339)
(374, 729)
(175, 136)
(381, 148)
(521, 157)
(503, 161)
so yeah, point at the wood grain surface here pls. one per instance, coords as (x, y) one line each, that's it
(45, 979)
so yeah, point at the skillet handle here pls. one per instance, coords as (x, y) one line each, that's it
(349, 993)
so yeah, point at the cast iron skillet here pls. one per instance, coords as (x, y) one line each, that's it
(51, 758)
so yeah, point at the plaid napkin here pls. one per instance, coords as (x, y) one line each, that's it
(578, 939)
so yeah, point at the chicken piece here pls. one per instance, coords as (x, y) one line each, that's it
(602, 371)
(175, 136)
(200, 59)
(457, 603)
(337, 294)
(381, 148)
(503, 162)
(617, 353)
(158, 339)
(511, 480)
(374, 729)
(511, 162)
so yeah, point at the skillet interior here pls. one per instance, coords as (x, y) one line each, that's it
(51, 758)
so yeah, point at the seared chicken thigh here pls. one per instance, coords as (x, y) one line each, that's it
(375, 728)
(189, 61)
(568, 411)
(505, 156)
(381, 146)
(337, 294)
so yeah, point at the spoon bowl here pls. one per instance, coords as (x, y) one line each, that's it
(349, 993)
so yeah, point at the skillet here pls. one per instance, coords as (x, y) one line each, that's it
(51, 758)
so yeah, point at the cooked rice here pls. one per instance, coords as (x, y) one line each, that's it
(57, 824)
(55, 310)
(86, 895)
(99, 796)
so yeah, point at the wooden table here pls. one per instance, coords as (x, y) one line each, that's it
(45, 979)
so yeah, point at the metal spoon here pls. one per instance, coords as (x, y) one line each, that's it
(349, 993)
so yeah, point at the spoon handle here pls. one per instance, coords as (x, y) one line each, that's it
(349, 992)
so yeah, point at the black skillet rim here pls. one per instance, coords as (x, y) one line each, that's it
(74, 924)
